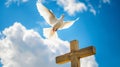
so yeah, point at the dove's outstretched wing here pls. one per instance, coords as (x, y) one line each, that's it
(67, 24)
(46, 14)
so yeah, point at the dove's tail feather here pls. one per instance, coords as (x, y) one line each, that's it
(49, 33)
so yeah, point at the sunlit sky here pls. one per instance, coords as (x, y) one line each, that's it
(98, 24)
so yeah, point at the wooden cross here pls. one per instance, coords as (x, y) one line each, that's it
(75, 54)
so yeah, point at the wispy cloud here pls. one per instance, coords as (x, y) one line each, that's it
(106, 1)
(26, 48)
(91, 8)
(9, 2)
(72, 6)
(95, 8)
(101, 2)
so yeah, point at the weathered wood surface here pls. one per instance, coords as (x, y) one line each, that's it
(75, 54)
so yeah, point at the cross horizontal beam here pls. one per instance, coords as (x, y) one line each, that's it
(79, 53)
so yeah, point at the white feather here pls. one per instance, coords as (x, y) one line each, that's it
(68, 24)
(49, 33)
(46, 14)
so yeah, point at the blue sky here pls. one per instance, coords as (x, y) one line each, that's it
(98, 24)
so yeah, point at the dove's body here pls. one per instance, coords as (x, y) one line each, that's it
(56, 24)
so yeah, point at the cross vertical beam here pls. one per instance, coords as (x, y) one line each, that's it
(74, 45)
(75, 62)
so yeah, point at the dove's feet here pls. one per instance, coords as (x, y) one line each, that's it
(54, 29)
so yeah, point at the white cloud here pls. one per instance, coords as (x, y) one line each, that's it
(26, 48)
(9, 2)
(72, 6)
(88, 62)
(106, 1)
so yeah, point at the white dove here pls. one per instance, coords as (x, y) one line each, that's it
(56, 24)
